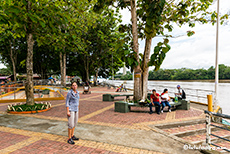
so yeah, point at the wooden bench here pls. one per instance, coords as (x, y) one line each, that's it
(125, 107)
(173, 104)
(109, 97)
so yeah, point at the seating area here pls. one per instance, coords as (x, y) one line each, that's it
(109, 97)
(124, 107)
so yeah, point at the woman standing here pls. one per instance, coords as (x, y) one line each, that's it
(72, 103)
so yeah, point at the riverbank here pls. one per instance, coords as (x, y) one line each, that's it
(211, 81)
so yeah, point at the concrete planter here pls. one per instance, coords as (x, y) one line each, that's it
(28, 112)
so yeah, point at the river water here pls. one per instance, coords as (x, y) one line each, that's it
(195, 90)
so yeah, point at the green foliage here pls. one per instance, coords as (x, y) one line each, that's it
(5, 71)
(159, 54)
(104, 46)
(190, 74)
(25, 107)
(128, 76)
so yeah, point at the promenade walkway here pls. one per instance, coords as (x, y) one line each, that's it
(100, 129)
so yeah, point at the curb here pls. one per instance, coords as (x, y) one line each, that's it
(28, 112)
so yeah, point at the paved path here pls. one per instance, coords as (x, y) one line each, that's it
(100, 129)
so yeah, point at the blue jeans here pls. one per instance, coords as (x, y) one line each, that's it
(157, 105)
(165, 103)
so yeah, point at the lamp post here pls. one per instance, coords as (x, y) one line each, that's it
(217, 66)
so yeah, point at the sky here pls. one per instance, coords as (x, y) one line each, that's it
(197, 51)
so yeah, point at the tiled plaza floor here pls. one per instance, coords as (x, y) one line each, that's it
(92, 110)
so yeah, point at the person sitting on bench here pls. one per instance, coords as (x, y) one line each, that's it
(121, 88)
(181, 94)
(165, 100)
(155, 100)
(86, 87)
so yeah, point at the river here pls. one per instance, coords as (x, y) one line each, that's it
(191, 88)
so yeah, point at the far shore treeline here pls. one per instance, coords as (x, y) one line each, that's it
(183, 74)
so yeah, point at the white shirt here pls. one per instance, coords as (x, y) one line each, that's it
(165, 97)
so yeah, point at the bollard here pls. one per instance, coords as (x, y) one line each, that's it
(210, 108)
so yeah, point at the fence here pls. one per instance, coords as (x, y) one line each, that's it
(209, 115)
(197, 95)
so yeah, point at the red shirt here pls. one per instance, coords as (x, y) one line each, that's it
(154, 98)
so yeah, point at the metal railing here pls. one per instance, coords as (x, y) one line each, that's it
(12, 90)
(193, 94)
(209, 115)
(198, 95)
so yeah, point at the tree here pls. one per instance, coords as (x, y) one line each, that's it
(155, 17)
(35, 21)
(45, 61)
(5, 71)
(10, 49)
(102, 43)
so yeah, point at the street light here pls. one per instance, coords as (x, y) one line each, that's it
(217, 66)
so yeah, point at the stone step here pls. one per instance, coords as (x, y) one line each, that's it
(223, 145)
(180, 124)
(195, 131)
(199, 139)
(189, 130)
(184, 129)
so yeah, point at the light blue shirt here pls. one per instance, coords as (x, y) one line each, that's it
(72, 100)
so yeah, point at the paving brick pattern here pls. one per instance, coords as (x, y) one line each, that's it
(47, 146)
(40, 143)
(201, 137)
(224, 144)
(126, 118)
(8, 139)
(187, 113)
(184, 128)
(95, 111)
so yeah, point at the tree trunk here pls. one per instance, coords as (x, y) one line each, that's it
(95, 77)
(137, 69)
(14, 70)
(86, 63)
(64, 70)
(145, 68)
(61, 68)
(29, 88)
(13, 57)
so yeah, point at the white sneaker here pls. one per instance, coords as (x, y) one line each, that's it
(162, 111)
(169, 110)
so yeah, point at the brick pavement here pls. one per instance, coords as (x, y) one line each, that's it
(90, 104)
(96, 112)
(18, 141)
(185, 128)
